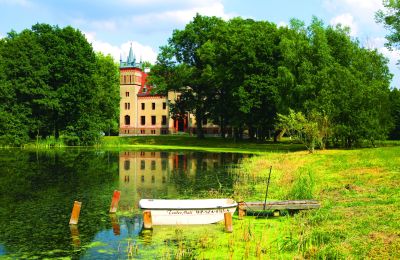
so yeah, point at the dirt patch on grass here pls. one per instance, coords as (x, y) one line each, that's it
(385, 246)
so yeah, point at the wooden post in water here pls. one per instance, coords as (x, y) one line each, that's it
(241, 210)
(76, 210)
(114, 202)
(115, 224)
(75, 235)
(228, 222)
(147, 222)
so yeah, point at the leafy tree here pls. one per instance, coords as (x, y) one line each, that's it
(395, 104)
(106, 99)
(188, 59)
(303, 129)
(52, 83)
(390, 19)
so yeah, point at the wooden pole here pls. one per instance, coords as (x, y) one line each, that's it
(147, 222)
(228, 222)
(76, 210)
(115, 224)
(115, 200)
(241, 210)
(266, 192)
(75, 235)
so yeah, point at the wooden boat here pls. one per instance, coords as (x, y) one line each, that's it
(187, 212)
(277, 205)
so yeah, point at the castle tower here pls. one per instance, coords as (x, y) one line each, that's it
(141, 111)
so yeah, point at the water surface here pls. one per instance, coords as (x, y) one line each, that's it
(38, 190)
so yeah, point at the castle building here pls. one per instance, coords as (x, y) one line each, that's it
(145, 113)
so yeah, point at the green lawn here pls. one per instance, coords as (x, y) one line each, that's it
(215, 144)
(359, 191)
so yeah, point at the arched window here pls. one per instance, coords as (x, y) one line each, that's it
(127, 120)
(127, 165)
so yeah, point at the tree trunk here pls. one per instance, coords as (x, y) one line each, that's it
(222, 128)
(199, 126)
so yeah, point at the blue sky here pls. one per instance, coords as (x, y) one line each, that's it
(111, 26)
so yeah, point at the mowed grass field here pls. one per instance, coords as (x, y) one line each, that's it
(359, 218)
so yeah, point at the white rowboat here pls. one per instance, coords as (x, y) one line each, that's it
(187, 212)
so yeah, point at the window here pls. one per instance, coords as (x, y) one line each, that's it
(153, 165)
(127, 120)
(127, 106)
(142, 178)
(127, 165)
(127, 94)
(143, 120)
(124, 79)
(142, 131)
(153, 106)
(142, 164)
(164, 131)
(164, 105)
(153, 132)
(153, 179)
(164, 165)
(153, 120)
(164, 120)
(130, 79)
(142, 106)
(144, 90)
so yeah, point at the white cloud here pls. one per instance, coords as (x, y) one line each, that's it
(143, 52)
(282, 24)
(393, 56)
(346, 20)
(181, 16)
(361, 8)
(23, 3)
(361, 11)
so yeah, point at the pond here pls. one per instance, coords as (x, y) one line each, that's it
(38, 190)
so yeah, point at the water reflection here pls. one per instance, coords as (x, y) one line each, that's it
(172, 175)
(37, 191)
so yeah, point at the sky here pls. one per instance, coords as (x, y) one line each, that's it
(112, 26)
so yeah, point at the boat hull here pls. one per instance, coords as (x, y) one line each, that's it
(188, 212)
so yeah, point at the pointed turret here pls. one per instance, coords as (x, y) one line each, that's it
(131, 57)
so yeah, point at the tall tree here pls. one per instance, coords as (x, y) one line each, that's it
(189, 57)
(390, 17)
(106, 99)
(52, 83)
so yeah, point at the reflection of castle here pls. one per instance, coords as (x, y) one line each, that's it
(148, 174)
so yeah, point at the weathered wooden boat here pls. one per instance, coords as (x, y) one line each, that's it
(277, 205)
(187, 212)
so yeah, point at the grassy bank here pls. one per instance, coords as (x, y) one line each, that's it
(359, 191)
(184, 142)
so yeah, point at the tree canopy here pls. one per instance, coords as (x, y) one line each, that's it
(243, 73)
(52, 83)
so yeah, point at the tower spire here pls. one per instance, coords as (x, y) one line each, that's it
(131, 57)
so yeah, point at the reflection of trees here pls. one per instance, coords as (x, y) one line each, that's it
(37, 193)
(208, 174)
